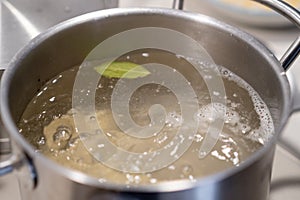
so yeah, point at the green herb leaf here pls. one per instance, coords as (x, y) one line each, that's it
(127, 70)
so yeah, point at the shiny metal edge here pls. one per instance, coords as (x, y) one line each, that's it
(162, 187)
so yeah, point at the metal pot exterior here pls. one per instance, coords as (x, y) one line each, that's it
(67, 44)
(253, 182)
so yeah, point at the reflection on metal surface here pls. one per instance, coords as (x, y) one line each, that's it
(285, 188)
(26, 24)
(284, 183)
(178, 4)
(46, 13)
(286, 176)
(21, 20)
(289, 147)
(4, 146)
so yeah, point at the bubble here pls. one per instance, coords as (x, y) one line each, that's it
(54, 81)
(266, 129)
(40, 93)
(216, 93)
(173, 120)
(145, 55)
(226, 150)
(171, 167)
(137, 179)
(102, 180)
(52, 99)
(225, 72)
(107, 133)
(244, 128)
(187, 170)
(217, 155)
(212, 112)
(202, 154)
(41, 141)
(198, 138)
(208, 77)
(235, 160)
(173, 152)
(153, 180)
(260, 140)
(100, 86)
(232, 117)
(73, 141)
(234, 105)
(62, 135)
(130, 178)
(191, 178)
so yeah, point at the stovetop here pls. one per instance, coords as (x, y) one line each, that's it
(20, 22)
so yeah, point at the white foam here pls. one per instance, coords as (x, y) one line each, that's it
(232, 118)
(266, 129)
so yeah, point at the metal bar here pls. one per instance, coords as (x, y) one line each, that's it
(178, 4)
(5, 147)
(293, 15)
(291, 55)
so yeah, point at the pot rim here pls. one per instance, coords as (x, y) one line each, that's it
(169, 186)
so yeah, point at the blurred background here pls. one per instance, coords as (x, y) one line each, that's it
(22, 20)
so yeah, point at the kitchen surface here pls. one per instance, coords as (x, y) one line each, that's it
(21, 20)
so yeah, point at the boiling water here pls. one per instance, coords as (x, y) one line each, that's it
(48, 123)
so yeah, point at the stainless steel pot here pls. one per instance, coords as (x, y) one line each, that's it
(67, 44)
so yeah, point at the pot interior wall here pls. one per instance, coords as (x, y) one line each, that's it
(48, 56)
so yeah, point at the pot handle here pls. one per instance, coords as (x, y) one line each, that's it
(13, 160)
(293, 51)
(178, 4)
(293, 15)
(6, 166)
